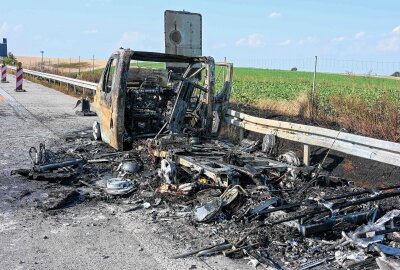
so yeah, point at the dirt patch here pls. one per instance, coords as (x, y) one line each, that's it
(348, 166)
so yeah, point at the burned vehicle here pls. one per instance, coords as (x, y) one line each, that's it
(250, 200)
(138, 97)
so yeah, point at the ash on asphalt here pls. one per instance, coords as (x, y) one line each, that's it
(294, 221)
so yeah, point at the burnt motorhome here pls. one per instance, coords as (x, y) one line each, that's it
(139, 97)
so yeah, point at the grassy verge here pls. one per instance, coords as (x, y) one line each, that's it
(364, 105)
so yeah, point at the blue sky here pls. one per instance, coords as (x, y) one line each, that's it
(243, 31)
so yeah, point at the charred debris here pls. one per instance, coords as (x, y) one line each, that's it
(250, 202)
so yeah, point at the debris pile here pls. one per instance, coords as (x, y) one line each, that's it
(272, 211)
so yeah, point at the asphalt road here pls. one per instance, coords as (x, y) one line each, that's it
(95, 235)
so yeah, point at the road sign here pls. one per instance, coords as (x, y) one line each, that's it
(3, 48)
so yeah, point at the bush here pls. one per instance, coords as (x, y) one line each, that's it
(294, 69)
(11, 59)
(396, 74)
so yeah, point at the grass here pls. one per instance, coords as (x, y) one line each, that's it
(364, 105)
(255, 85)
(361, 104)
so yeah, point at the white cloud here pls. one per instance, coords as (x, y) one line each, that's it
(129, 39)
(10, 30)
(391, 44)
(241, 42)
(274, 14)
(4, 28)
(359, 35)
(252, 41)
(255, 40)
(286, 42)
(338, 39)
(91, 31)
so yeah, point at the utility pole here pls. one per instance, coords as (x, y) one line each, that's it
(42, 52)
(79, 66)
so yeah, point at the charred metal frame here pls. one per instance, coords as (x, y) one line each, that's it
(207, 160)
(110, 103)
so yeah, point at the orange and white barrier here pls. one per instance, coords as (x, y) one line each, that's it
(20, 78)
(3, 73)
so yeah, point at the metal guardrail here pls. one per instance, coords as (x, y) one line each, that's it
(355, 145)
(62, 79)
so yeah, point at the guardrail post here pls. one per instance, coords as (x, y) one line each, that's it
(306, 155)
(241, 134)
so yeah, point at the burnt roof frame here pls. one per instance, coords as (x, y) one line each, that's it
(164, 57)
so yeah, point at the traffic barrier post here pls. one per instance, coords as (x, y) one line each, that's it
(19, 78)
(3, 73)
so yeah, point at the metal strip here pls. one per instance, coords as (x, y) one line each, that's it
(365, 147)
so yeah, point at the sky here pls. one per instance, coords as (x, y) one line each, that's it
(251, 32)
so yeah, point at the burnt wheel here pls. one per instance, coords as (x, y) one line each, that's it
(96, 130)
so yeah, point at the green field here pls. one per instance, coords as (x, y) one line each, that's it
(254, 85)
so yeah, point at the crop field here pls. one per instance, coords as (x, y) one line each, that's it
(256, 85)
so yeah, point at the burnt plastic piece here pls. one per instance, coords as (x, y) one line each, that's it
(329, 223)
